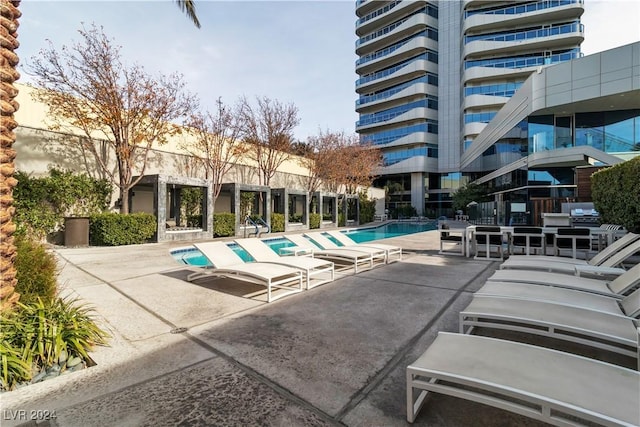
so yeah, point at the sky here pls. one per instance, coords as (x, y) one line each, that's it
(299, 52)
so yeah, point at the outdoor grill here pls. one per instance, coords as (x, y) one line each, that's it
(585, 217)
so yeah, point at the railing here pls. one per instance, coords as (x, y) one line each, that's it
(257, 224)
(526, 35)
(523, 8)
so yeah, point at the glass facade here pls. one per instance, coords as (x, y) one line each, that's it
(608, 131)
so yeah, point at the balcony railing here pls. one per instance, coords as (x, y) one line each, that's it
(524, 61)
(384, 52)
(365, 99)
(388, 136)
(389, 71)
(530, 34)
(523, 8)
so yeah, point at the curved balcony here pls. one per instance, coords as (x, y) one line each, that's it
(525, 15)
(477, 74)
(413, 164)
(394, 54)
(416, 133)
(414, 115)
(473, 129)
(554, 38)
(364, 7)
(386, 15)
(412, 25)
(408, 72)
(484, 101)
(392, 97)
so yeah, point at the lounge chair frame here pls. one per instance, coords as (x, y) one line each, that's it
(502, 374)
(357, 259)
(609, 332)
(311, 268)
(616, 288)
(392, 253)
(283, 278)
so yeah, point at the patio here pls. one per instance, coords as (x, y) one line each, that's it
(333, 355)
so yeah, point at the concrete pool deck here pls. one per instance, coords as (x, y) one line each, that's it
(333, 355)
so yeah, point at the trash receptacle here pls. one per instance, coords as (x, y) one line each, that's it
(76, 231)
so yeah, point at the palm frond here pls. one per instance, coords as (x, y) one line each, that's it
(189, 7)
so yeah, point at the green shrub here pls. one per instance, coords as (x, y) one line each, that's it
(314, 220)
(327, 217)
(295, 218)
(277, 222)
(46, 334)
(36, 271)
(341, 220)
(224, 224)
(113, 229)
(194, 221)
(367, 208)
(616, 196)
(42, 203)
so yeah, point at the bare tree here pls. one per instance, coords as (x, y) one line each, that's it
(318, 159)
(268, 128)
(10, 13)
(341, 161)
(217, 144)
(89, 88)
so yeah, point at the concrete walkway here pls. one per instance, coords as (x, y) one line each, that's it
(333, 355)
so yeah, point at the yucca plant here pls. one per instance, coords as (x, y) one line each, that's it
(13, 368)
(43, 333)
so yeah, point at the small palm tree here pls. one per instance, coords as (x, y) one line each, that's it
(8, 92)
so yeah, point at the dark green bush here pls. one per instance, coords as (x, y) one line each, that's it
(314, 220)
(194, 221)
(616, 194)
(341, 220)
(327, 217)
(277, 222)
(36, 271)
(113, 229)
(224, 224)
(295, 218)
(42, 203)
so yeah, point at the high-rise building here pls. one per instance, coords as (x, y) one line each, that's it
(433, 74)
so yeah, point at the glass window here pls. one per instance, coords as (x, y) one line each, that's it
(540, 133)
(563, 134)
(620, 131)
(590, 129)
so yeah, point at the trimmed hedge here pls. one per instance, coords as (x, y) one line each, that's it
(277, 222)
(314, 220)
(616, 194)
(224, 224)
(114, 229)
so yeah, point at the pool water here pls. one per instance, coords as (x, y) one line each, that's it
(192, 256)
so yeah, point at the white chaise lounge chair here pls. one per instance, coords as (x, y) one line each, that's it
(597, 329)
(547, 385)
(393, 253)
(531, 261)
(627, 306)
(617, 288)
(226, 263)
(321, 271)
(606, 267)
(325, 243)
(356, 259)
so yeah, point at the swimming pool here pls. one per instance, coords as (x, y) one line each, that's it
(192, 256)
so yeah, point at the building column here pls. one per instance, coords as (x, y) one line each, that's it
(417, 192)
